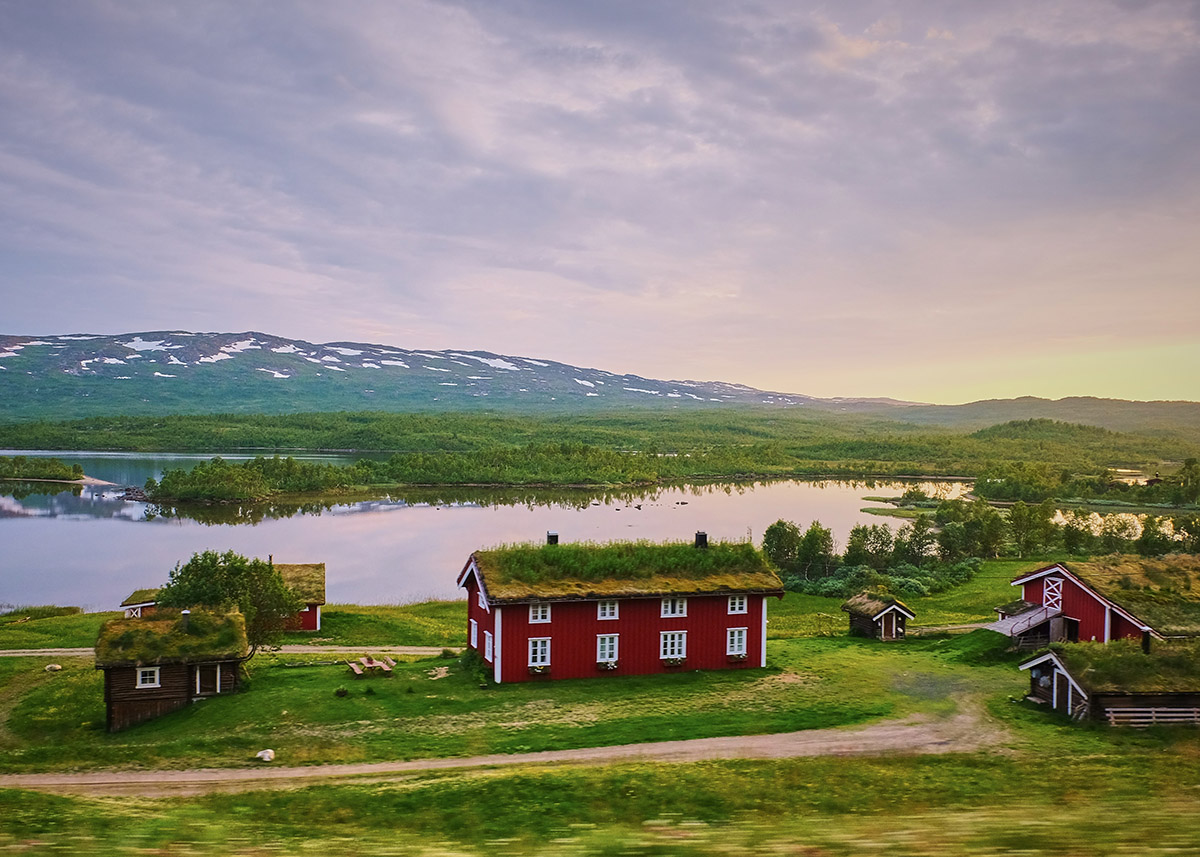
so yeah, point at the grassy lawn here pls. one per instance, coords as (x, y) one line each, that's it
(70, 631)
(429, 623)
(433, 708)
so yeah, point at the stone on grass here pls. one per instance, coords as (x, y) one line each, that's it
(53, 668)
(265, 755)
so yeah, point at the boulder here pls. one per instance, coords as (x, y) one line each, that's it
(265, 755)
(53, 668)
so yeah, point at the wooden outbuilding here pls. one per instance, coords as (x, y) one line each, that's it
(878, 615)
(1119, 682)
(141, 602)
(633, 608)
(307, 580)
(155, 665)
(1115, 598)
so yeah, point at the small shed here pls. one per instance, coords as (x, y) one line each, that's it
(141, 602)
(156, 665)
(307, 580)
(1120, 682)
(878, 615)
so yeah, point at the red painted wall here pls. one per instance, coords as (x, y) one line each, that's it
(574, 626)
(484, 618)
(1078, 602)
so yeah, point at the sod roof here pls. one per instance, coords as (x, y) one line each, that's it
(871, 604)
(306, 579)
(1015, 608)
(1121, 666)
(576, 571)
(163, 639)
(1164, 593)
(141, 596)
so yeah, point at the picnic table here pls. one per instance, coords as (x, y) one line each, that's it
(367, 665)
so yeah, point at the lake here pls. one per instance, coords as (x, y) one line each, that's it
(89, 547)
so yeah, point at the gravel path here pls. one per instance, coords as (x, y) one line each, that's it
(291, 650)
(965, 731)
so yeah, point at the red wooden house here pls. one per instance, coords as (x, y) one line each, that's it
(307, 580)
(1119, 597)
(578, 611)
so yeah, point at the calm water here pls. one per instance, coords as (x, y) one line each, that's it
(91, 548)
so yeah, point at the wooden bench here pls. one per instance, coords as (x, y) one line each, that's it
(1142, 717)
(356, 669)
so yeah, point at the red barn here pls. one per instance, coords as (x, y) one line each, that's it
(579, 611)
(1110, 599)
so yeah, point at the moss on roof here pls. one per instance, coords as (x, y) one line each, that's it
(306, 579)
(163, 639)
(871, 604)
(1015, 608)
(1121, 667)
(528, 572)
(141, 596)
(1164, 593)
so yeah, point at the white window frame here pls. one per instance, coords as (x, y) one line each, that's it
(539, 613)
(604, 643)
(739, 604)
(672, 644)
(735, 640)
(539, 651)
(474, 634)
(673, 607)
(481, 599)
(488, 646)
(145, 677)
(608, 610)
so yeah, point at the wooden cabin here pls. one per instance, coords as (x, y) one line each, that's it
(307, 580)
(878, 616)
(1115, 598)
(155, 665)
(633, 608)
(1123, 682)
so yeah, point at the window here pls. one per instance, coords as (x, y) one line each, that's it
(672, 644)
(482, 599)
(487, 645)
(606, 610)
(539, 651)
(674, 607)
(474, 634)
(539, 613)
(737, 604)
(148, 677)
(606, 648)
(735, 641)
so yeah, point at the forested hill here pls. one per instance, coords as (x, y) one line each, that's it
(165, 372)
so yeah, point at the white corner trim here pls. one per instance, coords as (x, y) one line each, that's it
(496, 647)
(762, 648)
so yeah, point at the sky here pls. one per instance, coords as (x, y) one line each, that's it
(933, 201)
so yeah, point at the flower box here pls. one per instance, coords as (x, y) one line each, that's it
(606, 665)
(736, 658)
(674, 662)
(543, 669)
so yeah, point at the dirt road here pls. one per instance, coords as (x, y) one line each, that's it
(969, 729)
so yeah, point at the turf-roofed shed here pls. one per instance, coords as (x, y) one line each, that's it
(1120, 681)
(1164, 593)
(579, 610)
(307, 580)
(156, 665)
(141, 602)
(878, 615)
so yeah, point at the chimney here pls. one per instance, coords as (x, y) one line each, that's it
(184, 617)
(701, 539)
(551, 537)
(1145, 642)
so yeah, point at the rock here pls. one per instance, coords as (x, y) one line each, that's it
(265, 755)
(53, 668)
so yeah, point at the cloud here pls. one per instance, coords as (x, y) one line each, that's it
(615, 182)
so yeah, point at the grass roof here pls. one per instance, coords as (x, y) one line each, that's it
(1164, 593)
(871, 604)
(1121, 666)
(163, 639)
(141, 596)
(525, 572)
(306, 579)
(1014, 608)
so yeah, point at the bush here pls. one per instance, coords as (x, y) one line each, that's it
(341, 692)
